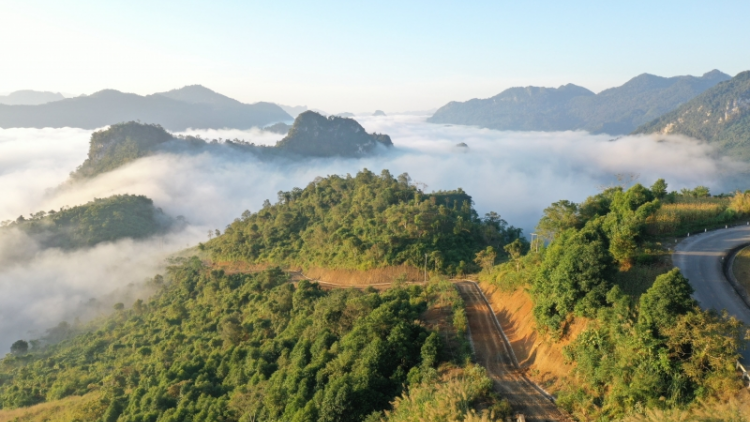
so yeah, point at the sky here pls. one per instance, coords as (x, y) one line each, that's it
(361, 56)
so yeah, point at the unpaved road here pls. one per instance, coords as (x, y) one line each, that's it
(699, 258)
(494, 353)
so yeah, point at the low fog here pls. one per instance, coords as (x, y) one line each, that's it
(516, 174)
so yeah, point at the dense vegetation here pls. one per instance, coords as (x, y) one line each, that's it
(118, 145)
(189, 107)
(720, 116)
(101, 220)
(651, 348)
(364, 222)
(213, 346)
(617, 110)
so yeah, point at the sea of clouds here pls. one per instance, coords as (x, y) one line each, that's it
(516, 174)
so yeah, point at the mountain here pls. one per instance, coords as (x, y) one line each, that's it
(101, 220)
(615, 111)
(280, 128)
(312, 135)
(318, 136)
(29, 97)
(720, 116)
(529, 108)
(189, 107)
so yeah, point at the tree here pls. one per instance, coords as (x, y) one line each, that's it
(20, 347)
(659, 189)
(486, 258)
(558, 217)
(668, 298)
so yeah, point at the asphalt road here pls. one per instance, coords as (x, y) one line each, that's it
(494, 353)
(699, 257)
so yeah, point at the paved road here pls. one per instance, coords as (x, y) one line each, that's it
(699, 257)
(494, 353)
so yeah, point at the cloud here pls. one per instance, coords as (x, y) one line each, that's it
(516, 174)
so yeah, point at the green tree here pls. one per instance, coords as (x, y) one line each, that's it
(659, 189)
(669, 297)
(558, 217)
(19, 347)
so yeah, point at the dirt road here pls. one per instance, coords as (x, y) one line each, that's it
(494, 353)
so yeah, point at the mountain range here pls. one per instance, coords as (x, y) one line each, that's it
(193, 106)
(30, 97)
(719, 116)
(618, 110)
(311, 135)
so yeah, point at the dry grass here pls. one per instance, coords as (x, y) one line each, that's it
(741, 268)
(670, 218)
(452, 397)
(736, 410)
(70, 409)
(354, 278)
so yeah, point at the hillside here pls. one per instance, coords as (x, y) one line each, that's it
(317, 136)
(364, 222)
(616, 110)
(190, 107)
(719, 116)
(213, 346)
(30, 97)
(101, 220)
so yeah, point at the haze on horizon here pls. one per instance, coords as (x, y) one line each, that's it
(337, 57)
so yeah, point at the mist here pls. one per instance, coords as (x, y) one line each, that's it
(516, 174)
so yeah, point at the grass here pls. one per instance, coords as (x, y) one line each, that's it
(688, 215)
(457, 394)
(741, 268)
(85, 408)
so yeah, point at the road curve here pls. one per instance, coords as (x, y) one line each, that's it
(494, 353)
(699, 257)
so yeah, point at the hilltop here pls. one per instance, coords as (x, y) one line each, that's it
(189, 107)
(719, 116)
(616, 110)
(364, 222)
(315, 135)
(101, 220)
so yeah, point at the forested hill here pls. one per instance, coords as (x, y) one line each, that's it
(616, 110)
(720, 116)
(315, 135)
(364, 222)
(101, 220)
(190, 107)
(312, 135)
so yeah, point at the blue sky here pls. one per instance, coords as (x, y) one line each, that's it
(359, 56)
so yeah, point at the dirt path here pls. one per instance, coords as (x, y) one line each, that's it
(493, 352)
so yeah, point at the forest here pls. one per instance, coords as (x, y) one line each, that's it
(213, 346)
(101, 220)
(647, 344)
(363, 222)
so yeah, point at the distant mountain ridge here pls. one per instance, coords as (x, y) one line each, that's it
(719, 116)
(312, 135)
(30, 97)
(190, 107)
(570, 107)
